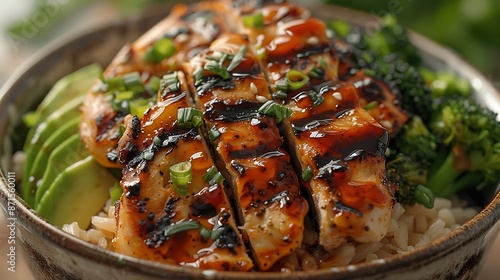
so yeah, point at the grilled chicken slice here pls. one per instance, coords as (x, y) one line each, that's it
(186, 31)
(230, 88)
(339, 148)
(381, 102)
(151, 209)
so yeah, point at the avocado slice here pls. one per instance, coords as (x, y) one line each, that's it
(42, 157)
(65, 90)
(66, 154)
(41, 133)
(79, 192)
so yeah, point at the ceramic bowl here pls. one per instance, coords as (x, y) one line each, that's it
(54, 254)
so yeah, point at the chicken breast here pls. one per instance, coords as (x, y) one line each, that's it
(248, 147)
(338, 147)
(160, 221)
(186, 31)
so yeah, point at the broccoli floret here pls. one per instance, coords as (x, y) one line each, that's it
(417, 142)
(470, 145)
(388, 55)
(410, 179)
(410, 155)
(390, 38)
(404, 79)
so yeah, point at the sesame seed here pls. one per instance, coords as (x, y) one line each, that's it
(254, 88)
(198, 137)
(386, 123)
(182, 38)
(261, 98)
(312, 40)
(337, 95)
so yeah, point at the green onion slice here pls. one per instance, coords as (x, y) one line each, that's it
(238, 58)
(189, 118)
(213, 176)
(171, 81)
(371, 105)
(180, 227)
(217, 69)
(272, 108)
(153, 84)
(307, 174)
(213, 133)
(217, 232)
(198, 76)
(181, 174)
(139, 107)
(160, 50)
(133, 82)
(316, 72)
(281, 85)
(279, 95)
(124, 95)
(205, 233)
(296, 79)
(316, 98)
(322, 63)
(255, 20)
(116, 83)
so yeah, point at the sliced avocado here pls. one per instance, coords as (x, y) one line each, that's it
(66, 154)
(42, 157)
(65, 90)
(79, 192)
(41, 133)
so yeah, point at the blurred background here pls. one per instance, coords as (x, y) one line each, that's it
(469, 27)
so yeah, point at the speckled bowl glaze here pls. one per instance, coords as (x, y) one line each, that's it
(53, 254)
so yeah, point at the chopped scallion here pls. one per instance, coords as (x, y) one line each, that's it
(316, 72)
(189, 117)
(238, 58)
(116, 83)
(133, 82)
(139, 106)
(153, 84)
(281, 85)
(322, 63)
(371, 105)
(217, 232)
(307, 174)
(213, 133)
(213, 176)
(272, 108)
(205, 233)
(170, 81)
(296, 79)
(316, 98)
(279, 95)
(181, 175)
(198, 76)
(180, 227)
(124, 95)
(217, 69)
(160, 50)
(255, 20)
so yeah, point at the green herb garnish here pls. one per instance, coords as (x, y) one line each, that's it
(272, 108)
(189, 118)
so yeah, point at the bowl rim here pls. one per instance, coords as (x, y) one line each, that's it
(464, 234)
